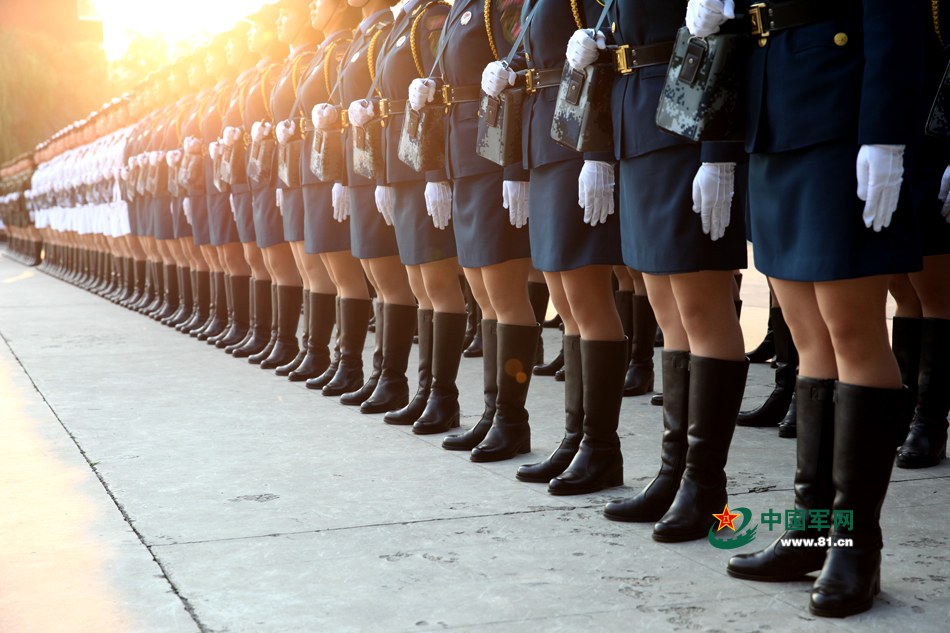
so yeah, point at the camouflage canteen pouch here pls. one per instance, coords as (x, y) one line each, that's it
(938, 122)
(326, 155)
(260, 167)
(368, 159)
(422, 139)
(288, 162)
(704, 96)
(233, 169)
(191, 173)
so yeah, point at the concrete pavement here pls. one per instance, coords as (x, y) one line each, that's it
(153, 483)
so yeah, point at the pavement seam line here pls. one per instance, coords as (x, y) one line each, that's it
(128, 520)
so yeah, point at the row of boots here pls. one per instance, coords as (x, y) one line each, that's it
(27, 252)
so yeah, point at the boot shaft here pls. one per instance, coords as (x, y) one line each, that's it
(240, 300)
(517, 349)
(289, 300)
(322, 317)
(644, 329)
(573, 386)
(933, 395)
(354, 319)
(424, 324)
(399, 328)
(448, 334)
(489, 330)
(603, 376)
(815, 424)
(865, 419)
(715, 395)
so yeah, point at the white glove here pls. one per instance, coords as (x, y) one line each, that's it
(341, 202)
(231, 136)
(880, 172)
(125, 173)
(192, 145)
(186, 207)
(215, 150)
(285, 131)
(323, 116)
(514, 195)
(280, 199)
(496, 77)
(173, 158)
(231, 202)
(421, 92)
(595, 191)
(439, 203)
(704, 17)
(944, 195)
(583, 48)
(713, 188)
(360, 114)
(154, 158)
(384, 202)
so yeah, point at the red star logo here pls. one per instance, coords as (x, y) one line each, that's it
(726, 518)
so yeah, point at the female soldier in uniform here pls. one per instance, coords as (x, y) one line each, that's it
(575, 240)
(426, 246)
(492, 245)
(249, 64)
(687, 264)
(372, 241)
(827, 235)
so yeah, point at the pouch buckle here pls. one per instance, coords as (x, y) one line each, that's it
(447, 94)
(383, 108)
(758, 19)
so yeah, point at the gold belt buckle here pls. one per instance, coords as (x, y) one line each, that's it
(447, 94)
(345, 118)
(529, 81)
(621, 54)
(758, 20)
(383, 108)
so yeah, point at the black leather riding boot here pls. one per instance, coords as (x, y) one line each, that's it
(538, 295)
(392, 388)
(510, 434)
(926, 443)
(240, 313)
(442, 408)
(788, 427)
(471, 312)
(322, 315)
(766, 349)
(192, 321)
(906, 341)
(358, 396)
(639, 378)
(321, 381)
(229, 302)
(715, 394)
(473, 437)
(263, 333)
(651, 503)
(354, 319)
(258, 305)
(598, 463)
(202, 308)
(284, 370)
(286, 346)
(171, 292)
(560, 459)
(814, 490)
(219, 319)
(865, 420)
(411, 412)
(775, 407)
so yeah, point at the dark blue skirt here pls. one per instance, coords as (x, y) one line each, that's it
(419, 241)
(244, 216)
(661, 233)
(182, 227)
(163, 222)
(292, 211)
(560, 240)
(926, 168)
(806, 218)
(483, 234)
(322, 234)
(221, 220)
(267, 221)
(133, 211)
(370, 236)
(200, 231)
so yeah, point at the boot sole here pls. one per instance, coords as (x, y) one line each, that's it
(501, 457)
(622, 518)
(803, 576)
(384, 407)
(435, 430)
(615, 479)
(843, 613)
(640, 391)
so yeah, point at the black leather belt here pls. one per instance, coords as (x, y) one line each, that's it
(629, 58)
(389, 107)
(765, 17)
(539, 79)
(461, 94)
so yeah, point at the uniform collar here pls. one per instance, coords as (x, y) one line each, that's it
(380, 18)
